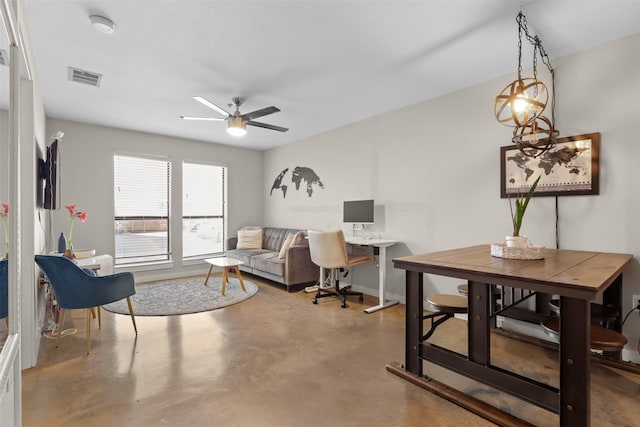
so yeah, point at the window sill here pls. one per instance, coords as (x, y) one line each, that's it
(144, 267)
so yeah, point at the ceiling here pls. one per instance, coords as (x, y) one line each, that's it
(324, 63)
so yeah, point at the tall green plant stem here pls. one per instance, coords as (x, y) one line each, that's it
(521, 207)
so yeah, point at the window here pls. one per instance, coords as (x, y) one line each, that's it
(203, 200)
(142, 202)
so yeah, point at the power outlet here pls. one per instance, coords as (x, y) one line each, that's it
(636, 299)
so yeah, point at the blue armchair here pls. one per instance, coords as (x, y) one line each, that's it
(77, 288)
(4, 291)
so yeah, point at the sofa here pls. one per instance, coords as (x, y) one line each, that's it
(291, 266)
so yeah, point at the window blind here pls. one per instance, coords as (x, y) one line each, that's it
(142, 200)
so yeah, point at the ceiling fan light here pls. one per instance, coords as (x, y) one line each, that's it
(236, 126)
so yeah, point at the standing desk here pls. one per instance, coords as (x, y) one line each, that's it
(578, 277)
(382, 245)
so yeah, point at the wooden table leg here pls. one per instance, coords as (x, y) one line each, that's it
(225, 278)
(208, 274)
(237, 270)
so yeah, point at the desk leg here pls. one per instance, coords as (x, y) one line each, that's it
(575, 371)
(413, 322)
(382, 277)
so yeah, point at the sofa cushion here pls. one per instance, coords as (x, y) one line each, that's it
(285, 245)
(245, 254)
(249, 239)
(268, 262)
(273, 238)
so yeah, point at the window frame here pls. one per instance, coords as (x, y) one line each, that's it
(223, 215)
(166, 257)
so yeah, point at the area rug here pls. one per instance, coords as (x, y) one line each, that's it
(183, 296)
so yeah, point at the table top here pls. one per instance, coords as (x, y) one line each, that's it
(369, 241)
(576, 274)
(224, 262)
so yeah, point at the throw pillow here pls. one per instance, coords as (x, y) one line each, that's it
(300, 239)
(249, 239)
(285, 245)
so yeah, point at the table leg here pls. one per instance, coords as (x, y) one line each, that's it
(237, 270)
(225, 273)
(479, 322)
(208, 274)
(575, 371)
(413, 321)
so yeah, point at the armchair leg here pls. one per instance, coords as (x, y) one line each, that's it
(89, 315)
(6, 321)
(60, 325)
(99, 318)
(133, 318)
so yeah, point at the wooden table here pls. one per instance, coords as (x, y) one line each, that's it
(578, 277)
(227, 264)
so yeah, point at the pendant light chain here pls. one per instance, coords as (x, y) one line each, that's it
(523, 101)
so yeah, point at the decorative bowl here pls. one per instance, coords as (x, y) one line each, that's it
(84, 253)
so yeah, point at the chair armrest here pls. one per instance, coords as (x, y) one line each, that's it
(298, 266)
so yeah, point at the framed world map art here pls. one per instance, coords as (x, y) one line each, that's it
(570, 168)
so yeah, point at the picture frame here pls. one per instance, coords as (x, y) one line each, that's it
(570, 168)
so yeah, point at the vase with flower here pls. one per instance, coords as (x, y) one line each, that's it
(73, 214)
(521, 203)
(4, 214)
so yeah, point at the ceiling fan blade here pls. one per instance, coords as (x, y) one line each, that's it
(212, 106)
(260, 113)
(213, 119)
(267, 126)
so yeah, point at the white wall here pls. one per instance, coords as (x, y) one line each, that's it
(86, 174)
(434, 172)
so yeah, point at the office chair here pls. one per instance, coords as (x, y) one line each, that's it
(4, 291)
(76, 287)
(329, 251)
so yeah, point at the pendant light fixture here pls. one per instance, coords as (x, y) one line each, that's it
(521, 103)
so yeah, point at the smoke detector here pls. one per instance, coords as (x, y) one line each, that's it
(102, 24)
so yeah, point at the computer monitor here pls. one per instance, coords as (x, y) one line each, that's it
(358, 211)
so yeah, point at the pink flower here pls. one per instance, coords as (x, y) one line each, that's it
(4, 212)
(74, 214)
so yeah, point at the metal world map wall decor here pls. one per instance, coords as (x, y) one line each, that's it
(299, 175)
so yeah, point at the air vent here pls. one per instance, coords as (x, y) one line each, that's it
(86, 77)
(4, 57)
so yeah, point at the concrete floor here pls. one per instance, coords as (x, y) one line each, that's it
(278, 360)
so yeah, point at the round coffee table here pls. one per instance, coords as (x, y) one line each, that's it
(226, 264)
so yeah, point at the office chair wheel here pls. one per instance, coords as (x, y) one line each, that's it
(343, 305)
(315, 301)
(361, 299)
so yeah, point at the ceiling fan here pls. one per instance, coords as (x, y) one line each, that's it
(236, 122)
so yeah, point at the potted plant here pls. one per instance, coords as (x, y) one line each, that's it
(516, 240)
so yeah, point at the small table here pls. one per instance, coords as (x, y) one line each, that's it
(226, 264)
(578, 277)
